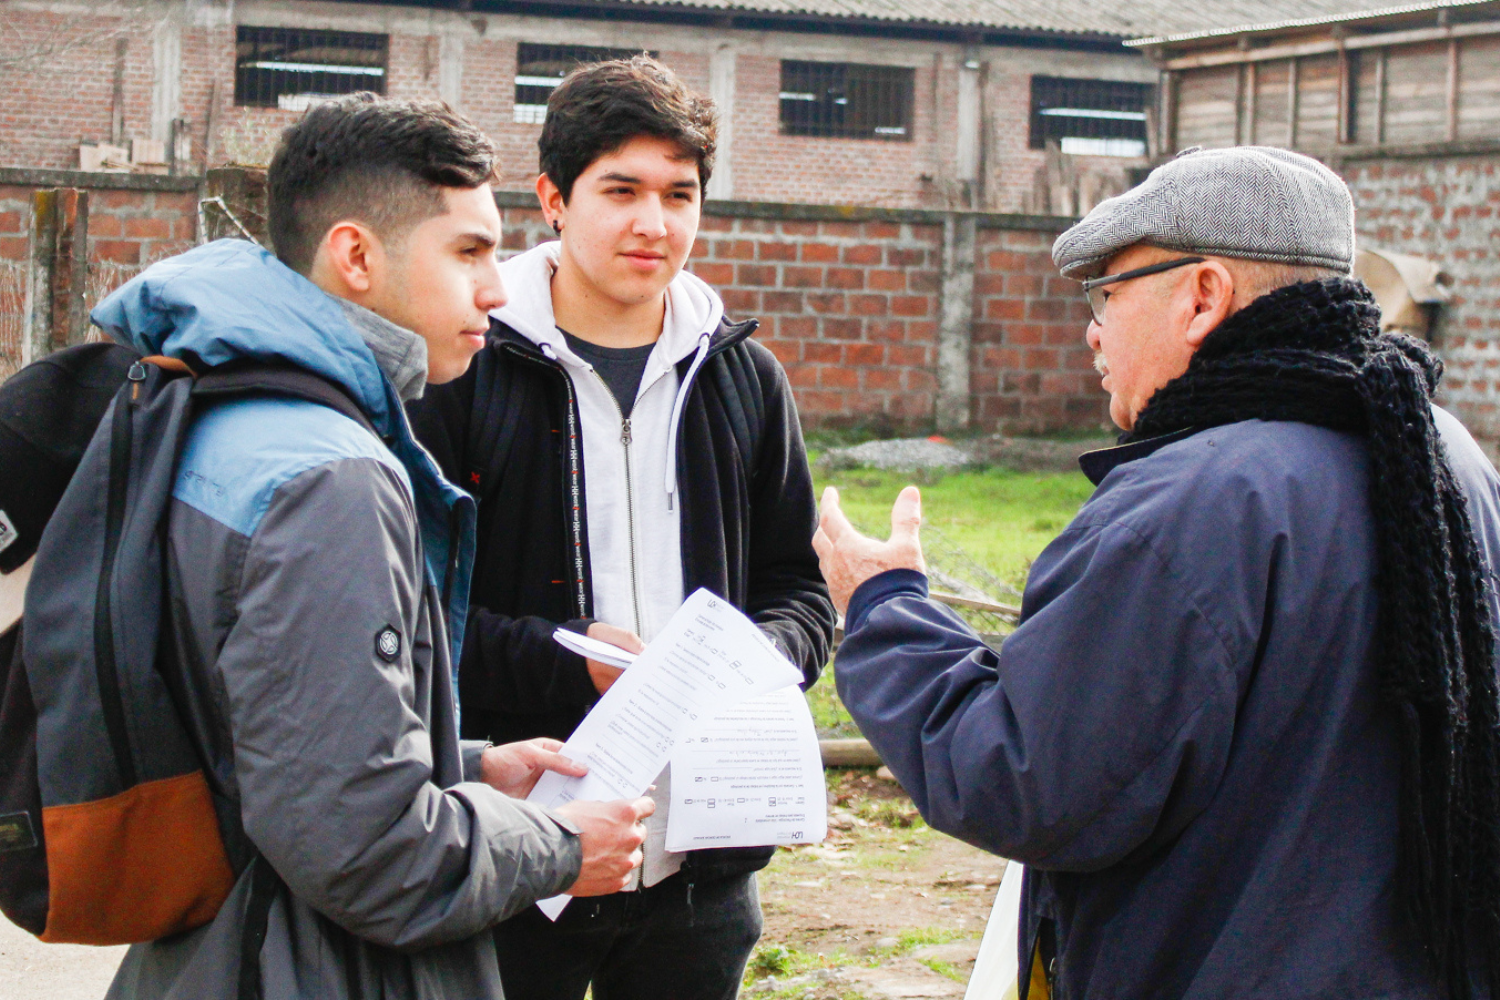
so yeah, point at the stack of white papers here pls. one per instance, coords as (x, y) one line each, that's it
(713, 696)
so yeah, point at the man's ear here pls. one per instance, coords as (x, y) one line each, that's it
(554, 205)
(348, 260)
(1212, 289)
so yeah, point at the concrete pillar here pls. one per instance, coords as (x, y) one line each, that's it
(166, 80)
(721, 70)
(956, 322)
(451, 68)
(966, 166)
(59, 266)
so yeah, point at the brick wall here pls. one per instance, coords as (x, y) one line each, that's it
(1447, 209)
(54, 103)
(850, 307)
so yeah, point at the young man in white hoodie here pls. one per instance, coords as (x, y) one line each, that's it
(627, 444)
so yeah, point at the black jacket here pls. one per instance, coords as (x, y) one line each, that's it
(508, 431)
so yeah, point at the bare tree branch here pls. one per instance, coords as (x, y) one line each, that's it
(44, 53)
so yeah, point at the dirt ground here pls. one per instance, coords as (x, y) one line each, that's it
(886, 907)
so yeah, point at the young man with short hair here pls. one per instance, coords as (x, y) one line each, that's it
(306, 557)
(627, 445)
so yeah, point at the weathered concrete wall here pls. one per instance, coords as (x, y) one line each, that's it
(1447, 209)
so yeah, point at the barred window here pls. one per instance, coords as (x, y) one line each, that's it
(844, 100)
(540, 68)
(291, 68)
(1089, 117)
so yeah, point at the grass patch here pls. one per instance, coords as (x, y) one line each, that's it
(943, 968)
(829, 714)
(1002, 519)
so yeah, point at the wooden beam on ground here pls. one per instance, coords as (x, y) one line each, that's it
(848, 753)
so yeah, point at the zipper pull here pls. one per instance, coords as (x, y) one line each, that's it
(625, 432)
(136, 375)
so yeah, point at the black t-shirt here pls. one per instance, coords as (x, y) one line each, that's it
(621, 367)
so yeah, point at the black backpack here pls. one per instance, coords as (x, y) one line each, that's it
(114, 828)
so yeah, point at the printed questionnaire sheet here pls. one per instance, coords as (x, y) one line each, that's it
(707, 658)
(748, 776)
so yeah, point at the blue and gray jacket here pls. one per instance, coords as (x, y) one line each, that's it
(311, 568)
(1184, 739)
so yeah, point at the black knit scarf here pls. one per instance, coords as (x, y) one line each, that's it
(1313, 353)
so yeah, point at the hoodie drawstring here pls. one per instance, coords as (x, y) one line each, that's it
(677, 407)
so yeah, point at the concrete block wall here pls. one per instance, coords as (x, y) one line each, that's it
(1446, 209)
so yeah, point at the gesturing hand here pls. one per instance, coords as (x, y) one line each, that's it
(515, 767)
(848, 558)
(612, 834)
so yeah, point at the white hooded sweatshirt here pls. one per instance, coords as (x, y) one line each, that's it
(630, 468)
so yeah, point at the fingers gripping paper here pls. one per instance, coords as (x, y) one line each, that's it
(709, 657)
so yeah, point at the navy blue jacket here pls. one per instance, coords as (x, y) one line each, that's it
(1183, 738)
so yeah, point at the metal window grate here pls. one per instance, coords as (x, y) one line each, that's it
(1098, 117)
(291, 68)
(844, 100)
(540, 68)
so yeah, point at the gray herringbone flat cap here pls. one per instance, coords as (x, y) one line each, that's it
(1249, 202)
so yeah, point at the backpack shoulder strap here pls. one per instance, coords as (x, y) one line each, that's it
(278, 380)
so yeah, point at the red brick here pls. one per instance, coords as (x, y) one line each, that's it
(845, 277)
(818, 350)
(880, 280)
(883, 378)
(820, 253)
(786, 351)
(798, 326)
(885, 329)
(767, 250)
(781, 302)
(838, 377)
(734, 250)
(842, 329)
(1004, 309)
(1025, 333)
(14, 248)
(714, 274)
(868, 305)
(740, 300)
(118, 251)
(882, 230)
(826, 302)
(864, 354)
(910, 305)
(10, 222)
(1039, 359)
(715, 224)
(803, 376)
(865, 254)
(907, 355)
(802, 277)
(792, 228)
(104, 226)
(763, 275)
(907, 257)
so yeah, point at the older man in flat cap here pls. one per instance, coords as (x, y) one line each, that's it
(1245, 736)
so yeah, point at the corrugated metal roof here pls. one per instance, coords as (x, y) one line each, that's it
(1344, 12)
(1095, 18)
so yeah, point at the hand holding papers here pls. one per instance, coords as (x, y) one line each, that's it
(707, 658)
(595, 649)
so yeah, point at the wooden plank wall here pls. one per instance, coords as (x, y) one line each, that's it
(1428, 92)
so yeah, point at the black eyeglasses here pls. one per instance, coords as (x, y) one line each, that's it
(1093, 288)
